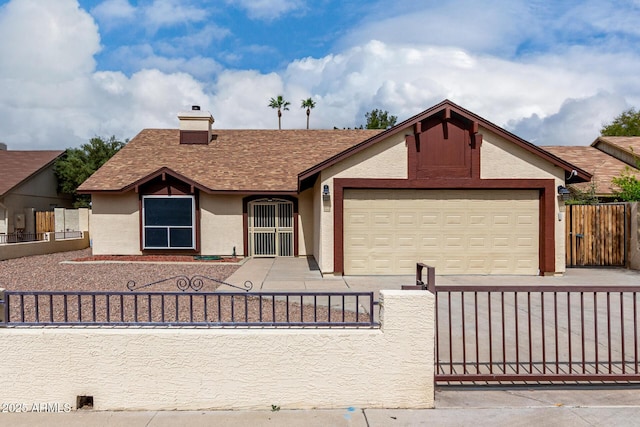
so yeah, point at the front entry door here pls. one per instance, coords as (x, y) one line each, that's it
(271, 228)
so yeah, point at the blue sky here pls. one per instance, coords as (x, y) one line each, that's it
(551, 72)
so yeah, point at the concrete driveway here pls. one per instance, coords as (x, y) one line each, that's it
(300, 274)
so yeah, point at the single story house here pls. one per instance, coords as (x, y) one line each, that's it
(445, 187)
(602, 166)
(606, 158)
(27, 184)
(624, 148)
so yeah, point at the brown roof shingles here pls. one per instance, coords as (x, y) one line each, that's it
(601, 165)
(17, 166)
(238, 160)
(628, 144)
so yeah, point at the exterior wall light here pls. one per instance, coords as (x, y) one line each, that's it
(564, 192)
(325, 192)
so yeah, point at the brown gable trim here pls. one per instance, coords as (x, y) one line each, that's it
(447, 108)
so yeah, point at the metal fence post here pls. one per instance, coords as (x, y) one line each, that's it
(4, 308)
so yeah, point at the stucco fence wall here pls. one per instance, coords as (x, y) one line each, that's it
(253, 368)
(48, 246)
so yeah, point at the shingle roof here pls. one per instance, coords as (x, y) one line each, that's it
(628, 144)
(601, 165)
(238, 160)
(17, 166)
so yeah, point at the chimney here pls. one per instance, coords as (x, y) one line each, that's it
(3, 146)
(195, 126)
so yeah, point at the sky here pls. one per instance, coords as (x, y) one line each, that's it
(552, 72)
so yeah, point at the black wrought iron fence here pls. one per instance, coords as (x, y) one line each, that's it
(208, 309)
(21, 237)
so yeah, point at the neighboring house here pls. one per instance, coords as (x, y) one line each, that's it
(606, 158)
(445, 187)
(600, 165)
(27, 184)
(624, 148)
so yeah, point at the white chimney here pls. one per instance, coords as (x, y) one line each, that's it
(195, 126)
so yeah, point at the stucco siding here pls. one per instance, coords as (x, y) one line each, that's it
(306, 223)
(387, 159)
(221, 226)
(502, 159)
(245, 368)
(115, 224)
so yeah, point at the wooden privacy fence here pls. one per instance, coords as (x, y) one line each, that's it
(45, 222)
(596, 235)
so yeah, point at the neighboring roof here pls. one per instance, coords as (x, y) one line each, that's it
(237, 161)
(18, 166)
(447, 108)
(625, 148)
(601, 165)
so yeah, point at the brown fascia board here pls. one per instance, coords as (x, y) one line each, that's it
(170, 172)
(582, 175)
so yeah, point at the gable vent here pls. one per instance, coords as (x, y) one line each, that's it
(195, 126)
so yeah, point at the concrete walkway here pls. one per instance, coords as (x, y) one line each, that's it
(540, 406)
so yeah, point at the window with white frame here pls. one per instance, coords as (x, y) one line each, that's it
(168, 222)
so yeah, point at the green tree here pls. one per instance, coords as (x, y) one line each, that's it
(309, 104)
(78, 164)
(378, 119)
(281, 105)
(586, 196)
(626, 124)
(628, 186)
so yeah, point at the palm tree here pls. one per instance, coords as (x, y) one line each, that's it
(280, 104)
(309, 104)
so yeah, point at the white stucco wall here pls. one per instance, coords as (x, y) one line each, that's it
(191, 369)
(502, 159)
(306, 223)
(48, 246)
(221, 227)
(387, 159)
(115, 224)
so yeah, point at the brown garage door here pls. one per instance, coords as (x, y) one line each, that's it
(457, 231)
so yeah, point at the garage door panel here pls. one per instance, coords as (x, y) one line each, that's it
(457, 231)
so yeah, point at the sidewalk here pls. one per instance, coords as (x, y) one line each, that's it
(541, 406)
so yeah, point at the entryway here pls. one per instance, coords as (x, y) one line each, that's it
(271, 228)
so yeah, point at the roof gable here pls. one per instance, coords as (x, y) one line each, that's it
(17, 167)
(447, 110)
(624, 148)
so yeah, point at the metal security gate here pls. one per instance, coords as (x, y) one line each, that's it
(596, 235)
(271, 228)
(537, 333)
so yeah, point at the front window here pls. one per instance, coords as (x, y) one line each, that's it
(168, 222)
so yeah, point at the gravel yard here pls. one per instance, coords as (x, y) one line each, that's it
(46, 273)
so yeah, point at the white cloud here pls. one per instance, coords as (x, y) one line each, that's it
(268, 9)
(163, 13)
(113, 10)
(52, 97)
(40, 41)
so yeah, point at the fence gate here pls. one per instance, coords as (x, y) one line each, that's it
(596, 235)
(537, 333)
(271, 228)
(45, 222)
